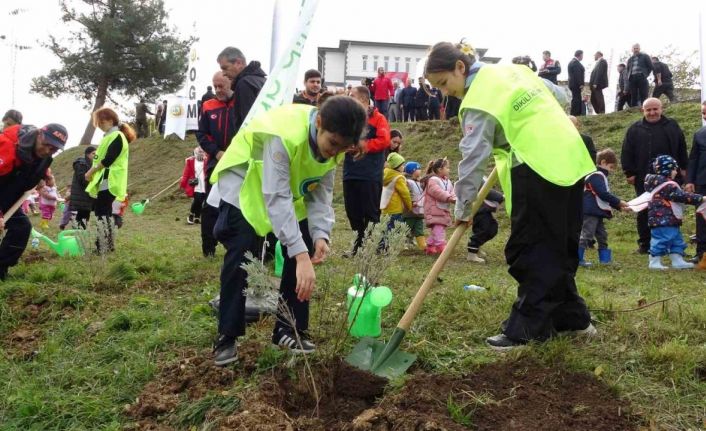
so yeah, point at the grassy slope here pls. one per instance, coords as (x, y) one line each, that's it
(104, 327)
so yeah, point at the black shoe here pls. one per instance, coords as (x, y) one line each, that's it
(502, 343)
(3, 273)
(225, 350)
(197, 220)
(190, 219)
(285, 338)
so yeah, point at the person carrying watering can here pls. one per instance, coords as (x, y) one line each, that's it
(278, 176)
(25, 156)
(541, 160)
(108, 176)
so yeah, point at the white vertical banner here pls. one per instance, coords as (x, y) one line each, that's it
(702, 54)
(277, 32)
(176, 117)
(192, 107)
(280, 85)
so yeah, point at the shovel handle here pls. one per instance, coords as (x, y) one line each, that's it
(416, 304)
(17, 205)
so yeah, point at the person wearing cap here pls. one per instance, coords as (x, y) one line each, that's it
(81, 201)
(395, 198)
(107, 178)
(11, 118)
(415, 217)
(25, 156)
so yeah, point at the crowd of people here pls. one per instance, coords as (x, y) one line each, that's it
(273, 179)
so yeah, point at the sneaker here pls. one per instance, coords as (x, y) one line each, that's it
(197, 220)
(190, 219)
(474, 257)
(588, 331)
(285, 338)
(502, 343)
(225, 350)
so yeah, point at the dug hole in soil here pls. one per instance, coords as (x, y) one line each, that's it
(519, 395)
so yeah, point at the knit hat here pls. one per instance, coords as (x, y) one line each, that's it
(395, 160)
(664, 165)
(410, 167)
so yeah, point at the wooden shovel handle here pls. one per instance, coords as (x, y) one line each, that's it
(416, 304)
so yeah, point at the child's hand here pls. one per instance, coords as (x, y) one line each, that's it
(624, 207)
(306, 277)
(321, 251)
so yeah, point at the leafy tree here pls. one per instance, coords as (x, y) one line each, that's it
(117, 47)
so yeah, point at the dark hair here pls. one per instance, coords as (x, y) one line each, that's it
(363, 90)
(324, 96)
(607, 155)
(14, 115)
(394, 133)
(655, 58)
(89, 149)
(311, 73)
(208, 87)
(106, 113)
(622, 64)
(231, 54)
(434, 165)
(547, 52)
(343, 116)
(443, 57)
(600, 53)
(578, 52)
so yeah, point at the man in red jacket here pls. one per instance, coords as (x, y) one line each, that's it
(382, 92)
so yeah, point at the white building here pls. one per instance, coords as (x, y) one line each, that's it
(354, 60)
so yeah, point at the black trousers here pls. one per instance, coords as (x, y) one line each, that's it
(542, 252)
(639, 89)
(236, 234)
(209, 214)
(81, 219)
(197, 204)
(408, 113)
(700, 226)
(576, 102)
(420, 113)
(622, 100)
(17, 231)
(362, 201)
(103, 208)
(485, 228)
(643, 230)
(666, 89)
(597, 101)
(434, 113)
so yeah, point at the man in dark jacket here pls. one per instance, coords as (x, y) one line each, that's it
(25, 156)
(663, 80)
(362, 178)
(696, 183)
(597, 82)
(80, 201)
(639, 68)
(312, 88)
(407, 98)
(247, 80)
(141, 111)
(646, 139)
(622, 97)
(421, 101)
(216, 129)
(576, 81)
(550, 69)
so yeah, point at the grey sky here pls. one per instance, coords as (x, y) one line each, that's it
(506, 28)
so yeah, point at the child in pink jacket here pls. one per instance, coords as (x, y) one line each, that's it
(438, 196)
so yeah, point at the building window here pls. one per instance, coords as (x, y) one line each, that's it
(397, 64)
(387, 63)
(406, 64)
(375, 63)
(365, 62)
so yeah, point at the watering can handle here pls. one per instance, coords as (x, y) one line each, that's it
(460, 230)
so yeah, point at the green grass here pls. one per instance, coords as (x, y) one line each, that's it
(107, 326)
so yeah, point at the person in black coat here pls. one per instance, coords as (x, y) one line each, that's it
(576, 81)
(247, 79)
(80, 201)
(597, 82)
(652, 136)
(639, 68)
(408, 95)
(421, 101)
(663, 80)
(696, 183)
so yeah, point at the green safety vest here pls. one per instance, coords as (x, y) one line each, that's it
(291, 124)
(117, 172)
(536, 127)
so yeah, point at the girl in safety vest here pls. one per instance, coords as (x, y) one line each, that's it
(277, 176)
(541, 160)
(107, 178)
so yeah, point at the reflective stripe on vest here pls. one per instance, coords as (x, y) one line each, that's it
(117, 172)
(536, 127)
(605, 206)
(291, 124)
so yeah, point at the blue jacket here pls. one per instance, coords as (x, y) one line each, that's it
(595, 187)
(660, 212)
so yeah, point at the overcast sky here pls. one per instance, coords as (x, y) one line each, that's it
(505, 28)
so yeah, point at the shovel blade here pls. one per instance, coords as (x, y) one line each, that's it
(368, 350)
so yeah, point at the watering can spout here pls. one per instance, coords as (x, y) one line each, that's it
(42, 237)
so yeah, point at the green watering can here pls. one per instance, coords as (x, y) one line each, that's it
(139, 207)
(365, 303)
(67, 243)
(279, 259)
